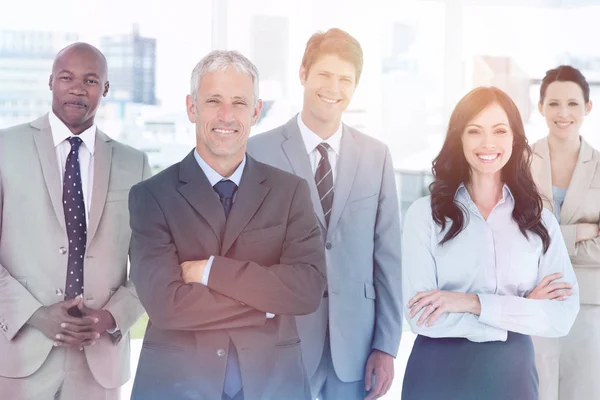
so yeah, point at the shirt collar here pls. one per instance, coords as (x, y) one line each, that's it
(60, 133)
(462, 193)
(312, 140)
(214, 177)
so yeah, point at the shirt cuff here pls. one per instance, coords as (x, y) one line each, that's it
(491, 310)
(207, 270)
(112, 331)
(270, 316)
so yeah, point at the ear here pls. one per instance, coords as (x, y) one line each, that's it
(257, 110)
(190, 107)
(588, 107)
(50, 82)
(540, 108)
(303, 73)
(106, 87)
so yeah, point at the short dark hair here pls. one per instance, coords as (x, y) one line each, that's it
(565, 73)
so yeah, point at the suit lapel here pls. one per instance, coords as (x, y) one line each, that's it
(201, 195)
(47, 155)
(580, 182)
(295, 151)
(250, 196)
(102, 166)
(543, 172)
(346, 172)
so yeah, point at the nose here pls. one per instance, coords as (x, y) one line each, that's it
(225, 113)
(77, 88)
(563, 112)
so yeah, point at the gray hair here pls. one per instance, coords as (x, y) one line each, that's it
(221, 60)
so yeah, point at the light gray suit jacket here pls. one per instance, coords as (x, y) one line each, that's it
(362, 248)
(34, 243)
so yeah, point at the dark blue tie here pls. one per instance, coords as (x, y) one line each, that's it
(233, 379)
(74, 208)
(226, 190)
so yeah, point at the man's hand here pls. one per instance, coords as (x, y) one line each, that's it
(192, 271)
(380, 366)
(52, 321)
(547, 289)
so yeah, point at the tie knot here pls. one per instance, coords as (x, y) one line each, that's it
(323, 148)
(225, 189)
(75, 142)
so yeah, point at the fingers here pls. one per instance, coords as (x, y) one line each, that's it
(559, 285)
(418, 297)
(426, 313)
(422, 302)
(83, 321)
(438, 312)
(74, 328)
(368, 375)
(549, 278)
(377, 390)
(559, 294)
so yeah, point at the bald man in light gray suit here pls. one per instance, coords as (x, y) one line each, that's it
(350, 343)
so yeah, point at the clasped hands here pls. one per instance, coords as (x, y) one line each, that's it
(435, 303)
(68, 331)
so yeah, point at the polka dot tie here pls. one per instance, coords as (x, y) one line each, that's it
(74, 208)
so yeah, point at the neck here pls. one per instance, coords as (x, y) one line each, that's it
(76, 129)
(485, 190)
(224, 166)
(568, 145)
(324, 129)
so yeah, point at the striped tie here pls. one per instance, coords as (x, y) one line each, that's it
(324, 179)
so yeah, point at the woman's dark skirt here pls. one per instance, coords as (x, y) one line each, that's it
(458, 369)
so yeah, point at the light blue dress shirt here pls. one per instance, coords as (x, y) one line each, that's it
(490, 258)
(558, 196)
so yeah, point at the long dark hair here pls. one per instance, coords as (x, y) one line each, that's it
(450, 168)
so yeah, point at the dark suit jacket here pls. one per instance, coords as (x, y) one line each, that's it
(268, 258)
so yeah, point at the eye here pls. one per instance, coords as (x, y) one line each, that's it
(240, 103)
(573, 104)
(212, 101)
(553, 104)
(500, 132)
(65, 78)
(473, 131)
(91, 81)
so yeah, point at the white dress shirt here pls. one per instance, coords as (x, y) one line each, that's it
(60, 134)
(490, 258)
(312, 140)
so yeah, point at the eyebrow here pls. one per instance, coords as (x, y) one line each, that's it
(221, 97)
(481, 127)
(331, 73)
(571, 99)
(66, 71)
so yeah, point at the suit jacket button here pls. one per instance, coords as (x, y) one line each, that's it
(59, 292)
(328, 246)
(62, 251)
(221, 353)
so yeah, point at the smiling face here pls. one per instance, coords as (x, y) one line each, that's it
(78, 82)
(564, 109)
(224, 112)
(329, 84)
(487, 141)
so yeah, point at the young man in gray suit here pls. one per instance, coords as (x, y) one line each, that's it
(63, 223)
(350, 343)
(225, 252)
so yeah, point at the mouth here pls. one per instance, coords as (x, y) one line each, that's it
(224, 131)
(488, 158)
(75, 104)
(563, 124)
(328, 100)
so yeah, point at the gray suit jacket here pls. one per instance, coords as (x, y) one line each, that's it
(363, 248)
(33, 243)
(268, 258)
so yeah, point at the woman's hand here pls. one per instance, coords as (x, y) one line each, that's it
(549, 290)
(436, 302)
